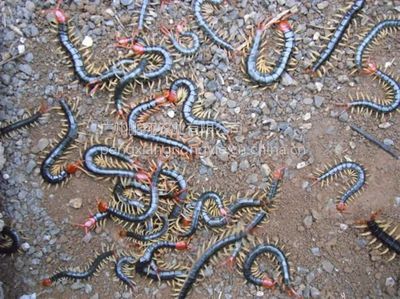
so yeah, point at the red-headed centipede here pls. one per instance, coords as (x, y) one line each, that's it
(338, 34)
(80, 275)
(190, 100)
(391, 84)
(76, 57)
(58, 150)
(149, 212)
(360, 179)
(197, 10)
(25, 122)
(135, 131)
(265, 281)
(9, 241)
(93, 220)
(371, 36)
(277, 177)
(188, 50)
(382, 233)
(276, 73)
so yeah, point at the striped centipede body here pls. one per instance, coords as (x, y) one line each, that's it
(46, 168)
(10, 240)
(356, 170)
(338, 34)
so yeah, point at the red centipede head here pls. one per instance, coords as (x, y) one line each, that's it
(230, 262)
(43, 108)
(186, 221)
(73, 167)
(268, 283)
(58, 13)
(182, 245)
(371, 68)
(375, 215)
(341, 207)
(46, 282)
(143, 176)
(123, 233)
(138, 48)
(170, 96)
(278, 173)
(284, 25)
(102, 206)
(181, 26)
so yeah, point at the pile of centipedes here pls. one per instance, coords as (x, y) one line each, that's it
(153, 202)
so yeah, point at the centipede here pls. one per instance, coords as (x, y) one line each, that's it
(93, 267)
(371, 36)
(212, 250)
(250, 273)
(382, 106)
(201, 22)
(103, 207)
(93, 221)
(383, 233)
(80, 70)
(26, 122)
(119, 270)
(194, 45)
(189, 101)
(263, 77)
(48, 164)
(355, 170)
(10, 240)
(276, 180)
(142, 108)
(338, 34)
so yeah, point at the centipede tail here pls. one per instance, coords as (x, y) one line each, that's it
(9, 241)
(58, 150)
(80, 275)
(371, 36)
(23, 123)
(119, 272)
(149, 236)
(197, 10)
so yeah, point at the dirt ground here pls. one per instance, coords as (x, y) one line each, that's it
(344, 266)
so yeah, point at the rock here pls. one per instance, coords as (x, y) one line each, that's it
(126, 2)
(208, 271)
(322, 5)
(265, 170)
(25, 68)
(315, 293)
(343, 79)
(21, 49)
(171, 113)
(308, 220)
(41, 145)
(307, 116)
(316, 251)
(338, 149)
(212, 85)
(252, 179)
(30, 296)
(301, 165)
(87, 42)
(308, 101)
(287, 80)
(25, 246)
(390, 282)
(385, 125)
(234, 166)
(344, 116)
(310, 277)
(2, 157)
(222, 154)
(343, 226)
(397, 201)
(244, 165)
(76, 203)
(388, 142)
(318, 101)
(327, 266)
(30, 166)
(318, 86)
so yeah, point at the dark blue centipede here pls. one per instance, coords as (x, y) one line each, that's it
(58, 150)
(9, 241)
(118, 269)
(338, 34)
(276, 73)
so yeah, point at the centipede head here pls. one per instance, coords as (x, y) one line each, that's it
(46, 282)
(341, 207)
(43, 108)
(279, 173)
(371, 68)
(182, 245)
(102, 206)
(268, 283)
(72, 168)
(283, 25)
(180, 27)
(59, 14)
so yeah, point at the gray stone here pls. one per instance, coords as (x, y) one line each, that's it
(308, 101)
(2, 157)
(388, 142)
(390, 282)
(25, 68)
(316, 251)
(222, 154)
(308, 220)
(397, 201)
(244, 165)
(41, 145)
(287, 80)
(344, 117)
(310, 277)
(252, 179)
(343, 79)
(327, 266)
(30, 296)
(265, 170)
(315, 293)
(126, 2)
(30, 166)
(212, 85)
(318, 101)
(234, 166)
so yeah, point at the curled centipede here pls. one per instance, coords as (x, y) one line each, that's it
(358, 177)
(10, 240)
